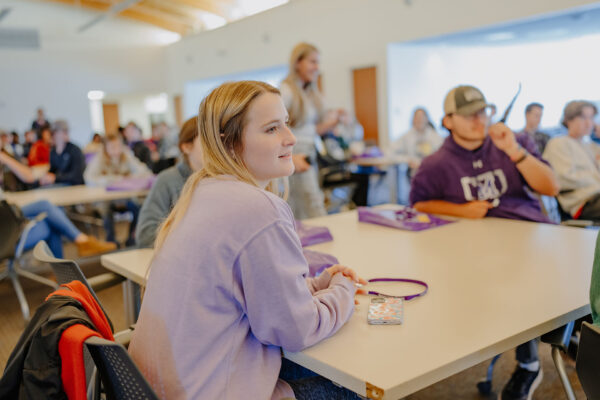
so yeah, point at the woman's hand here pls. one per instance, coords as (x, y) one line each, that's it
(350, 274)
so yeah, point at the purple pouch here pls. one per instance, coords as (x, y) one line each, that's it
(318, 261)
(371, 152)
(131, 184)
(405, 218)
(310, 235)
(89, 157)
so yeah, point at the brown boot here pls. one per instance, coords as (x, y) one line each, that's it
(94, 246)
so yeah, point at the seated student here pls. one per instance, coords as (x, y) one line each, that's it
(533, 117)
(30, 138)
(39, 154)
(95, 146)
(133, 137)
(67, 162)
(54, 227)
(485, 171)
(8, 144)
(66, 166)
(420, 141)
(168, 185)
(209, 326)
(17, 147)
(574, 160)
(114, 163)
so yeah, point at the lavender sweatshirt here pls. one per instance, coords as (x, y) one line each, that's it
(227, 290)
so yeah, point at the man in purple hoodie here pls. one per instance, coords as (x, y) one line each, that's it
(485, 170)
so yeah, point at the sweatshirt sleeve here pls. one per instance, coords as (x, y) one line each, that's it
(571, 174)
(92, 175)
(424, 185)
(155, 209)
(280, 307)
(74, 174)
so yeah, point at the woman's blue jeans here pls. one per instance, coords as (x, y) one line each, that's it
(51, 229)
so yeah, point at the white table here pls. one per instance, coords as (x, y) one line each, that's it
(71, 195)
(133, 265)
(494, 284)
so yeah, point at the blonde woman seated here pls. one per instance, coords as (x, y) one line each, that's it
(116, 162)
(228, 286)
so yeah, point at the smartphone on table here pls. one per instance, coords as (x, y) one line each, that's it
(385, 311)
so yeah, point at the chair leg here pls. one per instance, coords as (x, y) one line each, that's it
(18, 290)
(37, 278)
(562, 373)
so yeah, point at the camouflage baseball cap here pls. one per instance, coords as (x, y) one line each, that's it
(464, 100)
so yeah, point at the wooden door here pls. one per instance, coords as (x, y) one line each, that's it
(178, 110)
(111, 117)
(365, 101)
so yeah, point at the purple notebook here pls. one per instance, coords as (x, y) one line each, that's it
(405, 218)
(318, 261)
(131, 184)
(310, 235)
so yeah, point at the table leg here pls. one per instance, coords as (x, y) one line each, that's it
(395, 175)
(131, 301)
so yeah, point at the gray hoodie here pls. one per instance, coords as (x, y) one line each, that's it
(160, 201)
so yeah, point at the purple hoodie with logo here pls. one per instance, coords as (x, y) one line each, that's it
(458, 175)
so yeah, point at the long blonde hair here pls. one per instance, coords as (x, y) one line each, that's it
(296, 110)
(221, 121)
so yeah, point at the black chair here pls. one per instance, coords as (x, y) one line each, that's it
(588, 360)
(567, 219)
(13, 231)
(68, 270)
(120, 377)
(560, 339)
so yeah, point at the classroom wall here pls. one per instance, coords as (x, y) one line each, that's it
(59, 80)
(545, 70)
(349, 33)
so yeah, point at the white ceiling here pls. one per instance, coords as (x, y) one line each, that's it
(57, 25)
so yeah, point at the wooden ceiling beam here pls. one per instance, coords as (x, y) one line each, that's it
(136, 13)
(169, 24)
(221, 8)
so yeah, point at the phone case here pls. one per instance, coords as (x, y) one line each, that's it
(385, 310)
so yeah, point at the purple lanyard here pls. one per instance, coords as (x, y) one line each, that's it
(407, 298)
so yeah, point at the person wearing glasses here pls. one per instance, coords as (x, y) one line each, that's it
(483, 169)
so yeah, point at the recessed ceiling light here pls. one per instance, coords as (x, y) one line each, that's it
(95, 95)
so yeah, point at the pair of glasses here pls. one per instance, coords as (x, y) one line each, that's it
(484, 113)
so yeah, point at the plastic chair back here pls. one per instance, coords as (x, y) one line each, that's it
(120, 376)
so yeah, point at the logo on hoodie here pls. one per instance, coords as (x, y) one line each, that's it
(486, 186)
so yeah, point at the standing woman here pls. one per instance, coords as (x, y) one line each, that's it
(308, 120)
(228, 286)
